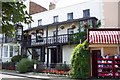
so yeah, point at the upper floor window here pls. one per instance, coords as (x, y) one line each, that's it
(70, 31)
(39, 35)
(54, 33)
(29, 25)
(40, 22)
(86, 13)
(69, 16)
(55, 19)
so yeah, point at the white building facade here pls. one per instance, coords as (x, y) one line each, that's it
(48, 25)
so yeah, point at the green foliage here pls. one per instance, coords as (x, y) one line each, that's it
(80, 61)
(77, 36)
(12, 13)
(24, 65)
(17, 58)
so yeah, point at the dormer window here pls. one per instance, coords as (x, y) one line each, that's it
(55, 19)
(40, 22)
(69, 16)
(86, 13)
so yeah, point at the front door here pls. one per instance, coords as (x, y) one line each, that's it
(94, 62)
(53, 57)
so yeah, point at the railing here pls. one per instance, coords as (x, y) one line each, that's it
(7, 40)
(60, 39)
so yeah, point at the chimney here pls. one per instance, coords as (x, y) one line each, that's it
(52, 6)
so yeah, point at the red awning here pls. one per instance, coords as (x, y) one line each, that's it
(104, 37)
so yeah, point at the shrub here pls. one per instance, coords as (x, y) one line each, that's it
(17, 58)
(80, 61)
(24, 65)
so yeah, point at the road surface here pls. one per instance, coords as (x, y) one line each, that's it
(10, 77)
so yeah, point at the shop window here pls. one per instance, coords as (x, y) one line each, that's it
(69, 16)
(86, 13)
(55, 19)
(5, 53)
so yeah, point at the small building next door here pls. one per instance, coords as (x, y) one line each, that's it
(95, 54)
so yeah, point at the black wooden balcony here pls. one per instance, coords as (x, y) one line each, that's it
(8, 40)
(52, 40)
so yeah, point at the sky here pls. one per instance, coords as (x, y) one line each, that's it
(59, 3)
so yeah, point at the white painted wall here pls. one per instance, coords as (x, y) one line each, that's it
(67, 53)
(47, 16)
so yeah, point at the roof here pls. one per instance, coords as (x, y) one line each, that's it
(104, 36)
(60, 23)
(35, 8)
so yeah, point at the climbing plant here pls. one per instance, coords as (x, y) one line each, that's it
(80, 61)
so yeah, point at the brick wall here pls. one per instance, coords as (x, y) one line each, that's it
(35, 8)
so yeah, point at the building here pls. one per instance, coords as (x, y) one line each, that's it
(104, 42)
(48, 38)
(48, 27)
(10, 47)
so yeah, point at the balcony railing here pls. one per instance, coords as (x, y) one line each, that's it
(7, 40)
(60, 39)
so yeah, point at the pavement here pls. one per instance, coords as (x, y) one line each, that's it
(34, 75)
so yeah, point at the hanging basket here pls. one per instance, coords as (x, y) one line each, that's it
(62, 27)
(73, 26)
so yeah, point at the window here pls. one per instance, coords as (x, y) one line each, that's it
(86, 13)
(70, 31)
(29, 25)
(5, 53)
(40, 22)
(39, 35)
(54, 33)
(55, 19)
(69, 16)
(11, 51)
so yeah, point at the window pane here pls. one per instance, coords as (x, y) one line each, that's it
(55, 18)
(11, 51)
(70, 16)
(39, 22)
(5, 51)
(86, 13)
(70, 31)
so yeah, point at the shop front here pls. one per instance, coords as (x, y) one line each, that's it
(104, 46)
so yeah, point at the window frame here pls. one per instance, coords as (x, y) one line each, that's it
(68, 31)
(11, 51)
(7, 50)
(39, 22)
(86, 13)
(70, 16)
(29, 25)
(55, 19)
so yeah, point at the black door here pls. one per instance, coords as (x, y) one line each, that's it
(53, 55)
(94, 62)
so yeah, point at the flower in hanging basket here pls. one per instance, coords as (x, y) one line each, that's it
(62, 27)
(73, 26)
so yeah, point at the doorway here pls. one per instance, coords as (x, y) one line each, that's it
(53, 57)
(95, 54)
